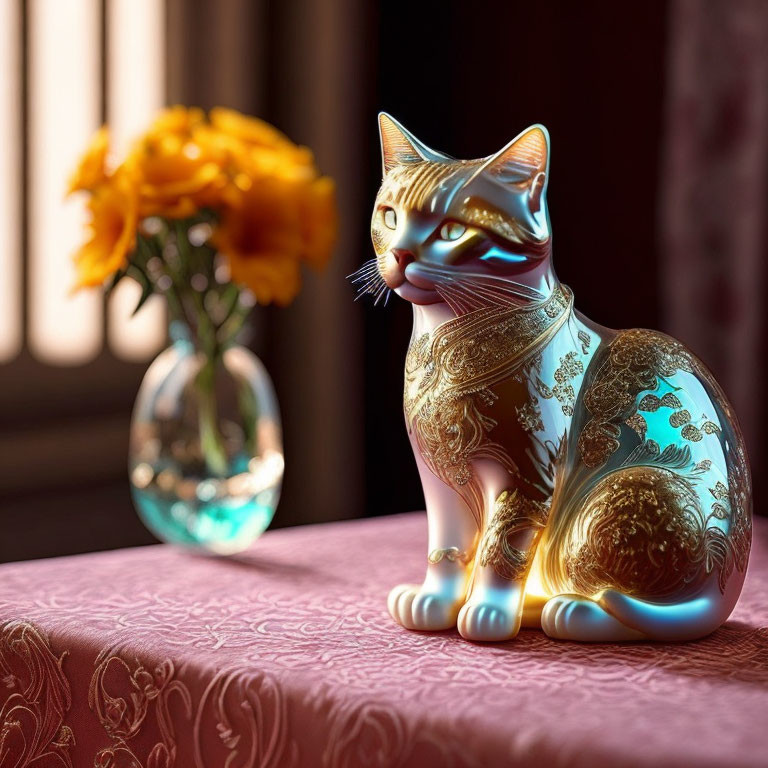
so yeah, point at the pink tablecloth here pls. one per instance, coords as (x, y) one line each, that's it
(155, 657)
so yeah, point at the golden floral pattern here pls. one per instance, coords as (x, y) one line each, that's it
(638, 424)
(728, 551)
(529, 416)
(640, 530)
(449, 377)
(514, 514)
(570, 367)
(652, 403)
(451, 554)
(678, 418)
(585, 339)
(636, 361)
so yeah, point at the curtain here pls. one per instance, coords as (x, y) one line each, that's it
(715, 198)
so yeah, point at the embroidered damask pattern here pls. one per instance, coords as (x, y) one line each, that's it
(314, 626)
(513, 514)
(37, 700)
(364, 733)
(570, 367)
(130, 701)
(242, 720)
(449, 378)
(121, 696)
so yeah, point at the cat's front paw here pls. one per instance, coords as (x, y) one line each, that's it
(417, 608)
(483, 621)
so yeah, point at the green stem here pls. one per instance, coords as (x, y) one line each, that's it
(203, 334)
(213, 316)
(229, 329)
(211, 441)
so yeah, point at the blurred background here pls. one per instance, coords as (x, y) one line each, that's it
(658, 114)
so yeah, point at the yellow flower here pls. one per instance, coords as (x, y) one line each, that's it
(111, 232)
(174, 177)
(256, 134)
(273, 226)
(231, 157)
(176, 174)
(272, 278)
(92, 169)
(274, 210)
(261, 237)
(177, 119)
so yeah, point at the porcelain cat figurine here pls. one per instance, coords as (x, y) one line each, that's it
(588, 481)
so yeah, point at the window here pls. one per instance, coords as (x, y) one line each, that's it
(70, 366)
(64, 67)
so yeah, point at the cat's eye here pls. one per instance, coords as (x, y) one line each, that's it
(390, 218)
(452, 230)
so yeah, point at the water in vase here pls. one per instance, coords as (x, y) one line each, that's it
(206, 463)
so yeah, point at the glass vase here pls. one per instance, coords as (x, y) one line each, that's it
(206, 457)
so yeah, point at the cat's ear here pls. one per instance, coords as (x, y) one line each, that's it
(399, 147)
(525, 160)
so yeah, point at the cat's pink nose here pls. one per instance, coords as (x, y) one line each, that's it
(403, 257)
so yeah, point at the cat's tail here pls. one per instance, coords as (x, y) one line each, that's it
(696, 617)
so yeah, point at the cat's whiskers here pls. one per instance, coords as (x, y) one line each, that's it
(368, 280)
(381, 293)
(502, 285)
(463, 291)
(467, 291)
(456, 297)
